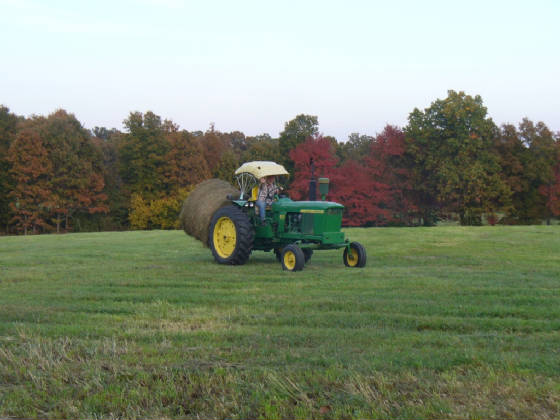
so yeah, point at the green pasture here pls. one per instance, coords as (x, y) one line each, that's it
(446, 322)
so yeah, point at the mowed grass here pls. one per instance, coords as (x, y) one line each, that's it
(446, 322)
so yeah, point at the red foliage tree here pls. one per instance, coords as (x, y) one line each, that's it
(374, 193)
(350, 184)
(390, 169)
(322, 151)
(363, 197)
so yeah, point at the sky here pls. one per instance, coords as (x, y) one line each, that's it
(254, 65)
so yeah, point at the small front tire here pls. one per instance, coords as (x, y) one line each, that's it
(292, 258)
(355, 255)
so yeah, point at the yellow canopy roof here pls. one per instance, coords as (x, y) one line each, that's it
(261, 168)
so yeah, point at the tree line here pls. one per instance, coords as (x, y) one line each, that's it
(451, 161)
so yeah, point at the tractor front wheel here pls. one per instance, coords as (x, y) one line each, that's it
(292, 258)
(354, 255)
(231, 236)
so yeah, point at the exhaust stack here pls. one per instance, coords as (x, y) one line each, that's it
(312, 182)
(323, 187)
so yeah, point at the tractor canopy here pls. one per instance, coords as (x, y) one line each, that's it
(248, 175)
(261, 169)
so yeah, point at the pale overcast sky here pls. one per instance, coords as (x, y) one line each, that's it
(253, 65)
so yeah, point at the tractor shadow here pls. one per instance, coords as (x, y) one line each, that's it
(330, 259)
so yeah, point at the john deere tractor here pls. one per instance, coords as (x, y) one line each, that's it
(292, 229)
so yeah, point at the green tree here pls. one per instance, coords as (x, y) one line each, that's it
(356, 148)
(456, 169)
(8, 123)
(529, 160)
(103, 133)
(108, 148)
(237, 142)
(228, 164)
(526, 167)
(295, 132)
(540, 166)
(143, 152)
(261, 147)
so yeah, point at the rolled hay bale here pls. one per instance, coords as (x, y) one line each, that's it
(201, 204)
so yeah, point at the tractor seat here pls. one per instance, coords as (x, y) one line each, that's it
(254, 193)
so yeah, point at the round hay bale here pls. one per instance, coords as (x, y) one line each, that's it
(201, 204)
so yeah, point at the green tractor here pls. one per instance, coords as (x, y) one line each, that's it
(293, 229)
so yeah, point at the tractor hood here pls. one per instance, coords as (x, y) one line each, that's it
(305, 206)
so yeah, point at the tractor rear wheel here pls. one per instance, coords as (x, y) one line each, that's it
(231, 236)
(292, 258)
(355, 255)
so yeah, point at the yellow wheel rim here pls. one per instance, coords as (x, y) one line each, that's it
(352, 257)
(224, 237)
(289, 260)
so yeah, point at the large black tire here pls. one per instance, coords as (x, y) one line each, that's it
(307, 253)
(292, 258)
(357, 256)
(231, 236)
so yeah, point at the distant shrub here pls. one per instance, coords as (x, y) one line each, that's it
(161, 213)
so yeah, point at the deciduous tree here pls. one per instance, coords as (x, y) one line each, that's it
(356, 148)
(31, 170)
(143, 152)
(541, 167)
(455, 167)
(261, 147)
(76, 180)
(322, 152)
(214, 146)
(117, 200)
(390, 168)
(295, 132)
(8, 123)
(185, 164)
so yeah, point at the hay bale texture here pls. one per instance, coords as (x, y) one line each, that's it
(201, 204)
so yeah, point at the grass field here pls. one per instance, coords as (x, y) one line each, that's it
(444, 322)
